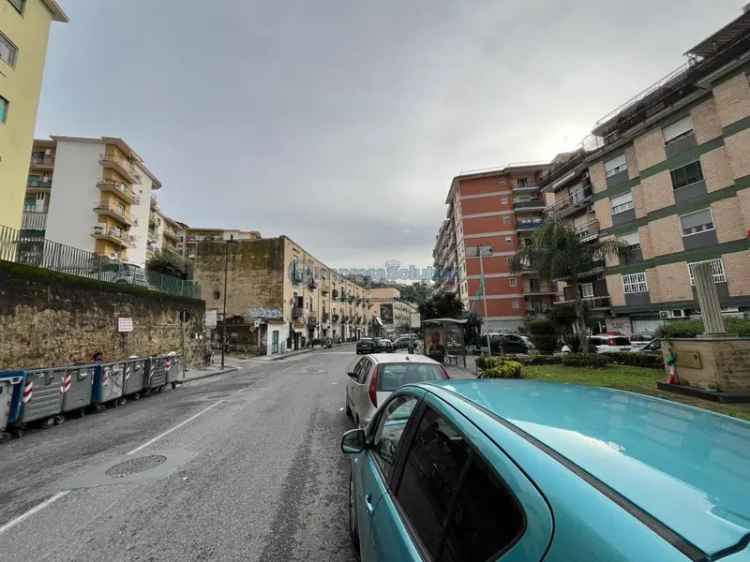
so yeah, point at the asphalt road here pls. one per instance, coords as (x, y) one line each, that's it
(246, 466)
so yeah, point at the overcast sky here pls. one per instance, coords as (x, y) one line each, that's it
(341, 124)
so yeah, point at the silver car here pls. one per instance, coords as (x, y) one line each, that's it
(373, 377)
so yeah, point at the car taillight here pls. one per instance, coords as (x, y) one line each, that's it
(374, 387)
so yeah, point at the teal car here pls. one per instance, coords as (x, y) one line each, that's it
(523, 471)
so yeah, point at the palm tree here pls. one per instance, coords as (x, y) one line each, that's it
(556, 253)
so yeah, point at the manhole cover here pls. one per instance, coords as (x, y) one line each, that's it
(134, 466)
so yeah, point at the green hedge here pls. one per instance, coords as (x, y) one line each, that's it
(647, 360)
(541, 360)
(504, 370)
(592, 360)
(694, 328)
(543, 335)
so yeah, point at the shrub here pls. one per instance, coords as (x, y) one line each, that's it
(504, 370)
(593, 360)
(486, 362)
(543, 335)
(637, 359)
(541, 360)
(694, 328)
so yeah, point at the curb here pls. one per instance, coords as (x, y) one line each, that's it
(217, 373)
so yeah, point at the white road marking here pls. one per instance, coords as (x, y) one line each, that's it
(10, 524)
(178, 426)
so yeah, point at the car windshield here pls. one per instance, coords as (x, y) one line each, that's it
(394, 375)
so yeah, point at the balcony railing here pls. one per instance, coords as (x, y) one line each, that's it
(46, 162)
(33, 220)
(117, 214)
(36, 184)
(571, 203)
(528, 225)
(527, 202)
(122, 190)
(589, 231)
(115, 235)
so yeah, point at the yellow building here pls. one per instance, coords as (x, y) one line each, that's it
(24, 30)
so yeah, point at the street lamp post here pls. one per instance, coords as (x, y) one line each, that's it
(224, 316)
(484, 251)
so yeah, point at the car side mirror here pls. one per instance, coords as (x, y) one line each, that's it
(353, 441)
(352, 375)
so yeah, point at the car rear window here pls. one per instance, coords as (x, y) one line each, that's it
(394, 375)
(619, 341)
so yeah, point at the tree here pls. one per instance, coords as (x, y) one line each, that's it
(556, 252)
(473, 328)
(418, 293)
(442, 305)
(168, 263)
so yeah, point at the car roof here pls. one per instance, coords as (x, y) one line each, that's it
(401, 358)
(684, 466)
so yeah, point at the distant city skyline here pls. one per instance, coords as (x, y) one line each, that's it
(341, 125)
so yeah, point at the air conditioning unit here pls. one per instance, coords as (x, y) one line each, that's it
(99, 228)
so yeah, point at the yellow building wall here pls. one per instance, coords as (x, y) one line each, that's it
(21, 86)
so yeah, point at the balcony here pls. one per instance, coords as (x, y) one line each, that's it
(43, 163)
(33, 220)
(122, 166)
(525, 188)
(528, 204)
(34, 184)
(533, 289)
(119, 215)
(170, 233)
(123, 191)
(570, 204)
(114, 235)
(589, 231)
(529, 225)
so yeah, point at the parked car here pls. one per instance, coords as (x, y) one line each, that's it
(653, 347)
(365, 345)
(525, 470)
(606, 343)
(404, 341)
(530, 347)
(383, 345)
(508, 343)
(124, 273)
(639, 341)
(374, 377)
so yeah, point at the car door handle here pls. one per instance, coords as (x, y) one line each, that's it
(368, 503)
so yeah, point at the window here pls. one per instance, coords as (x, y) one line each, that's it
(504, 200)
(523, 182)
(3, 109)
(472, 251)
(509, 260)
(390, 428)
(8, 51)
(718, 268)
(432, 474)
(393, 375)
(699, 221)
(577, 194)
(453, 499)
(635, 283)
(630, 240)
(18, 5)
(507, 219)
(615, 166)
(512, 282)
(687, 175)
(587, 290)
(622, 203)
(677, 130)
(473, 532)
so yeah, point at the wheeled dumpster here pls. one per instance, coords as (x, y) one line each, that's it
(157, 373)
(77, 387)
(109, 382)
(41, 396)
(11, 383)
(135, 376)
(175, 374)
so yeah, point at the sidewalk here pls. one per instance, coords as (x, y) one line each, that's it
(464, 373)
(195, 374)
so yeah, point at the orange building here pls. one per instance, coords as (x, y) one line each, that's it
(490, 214)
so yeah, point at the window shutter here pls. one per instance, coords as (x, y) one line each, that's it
(678, 129)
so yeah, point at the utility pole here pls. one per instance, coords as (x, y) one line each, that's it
(484, 250)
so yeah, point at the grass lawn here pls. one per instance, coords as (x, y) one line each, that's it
(634, 379)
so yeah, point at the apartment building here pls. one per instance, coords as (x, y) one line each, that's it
(568, 183)
(491, 214)
(24, 31)
(164, 233)
(90, 193)
(671, 181)
(445, 258)
(278, 296)
(389, 314)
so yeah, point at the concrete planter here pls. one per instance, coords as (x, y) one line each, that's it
(713, 364)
